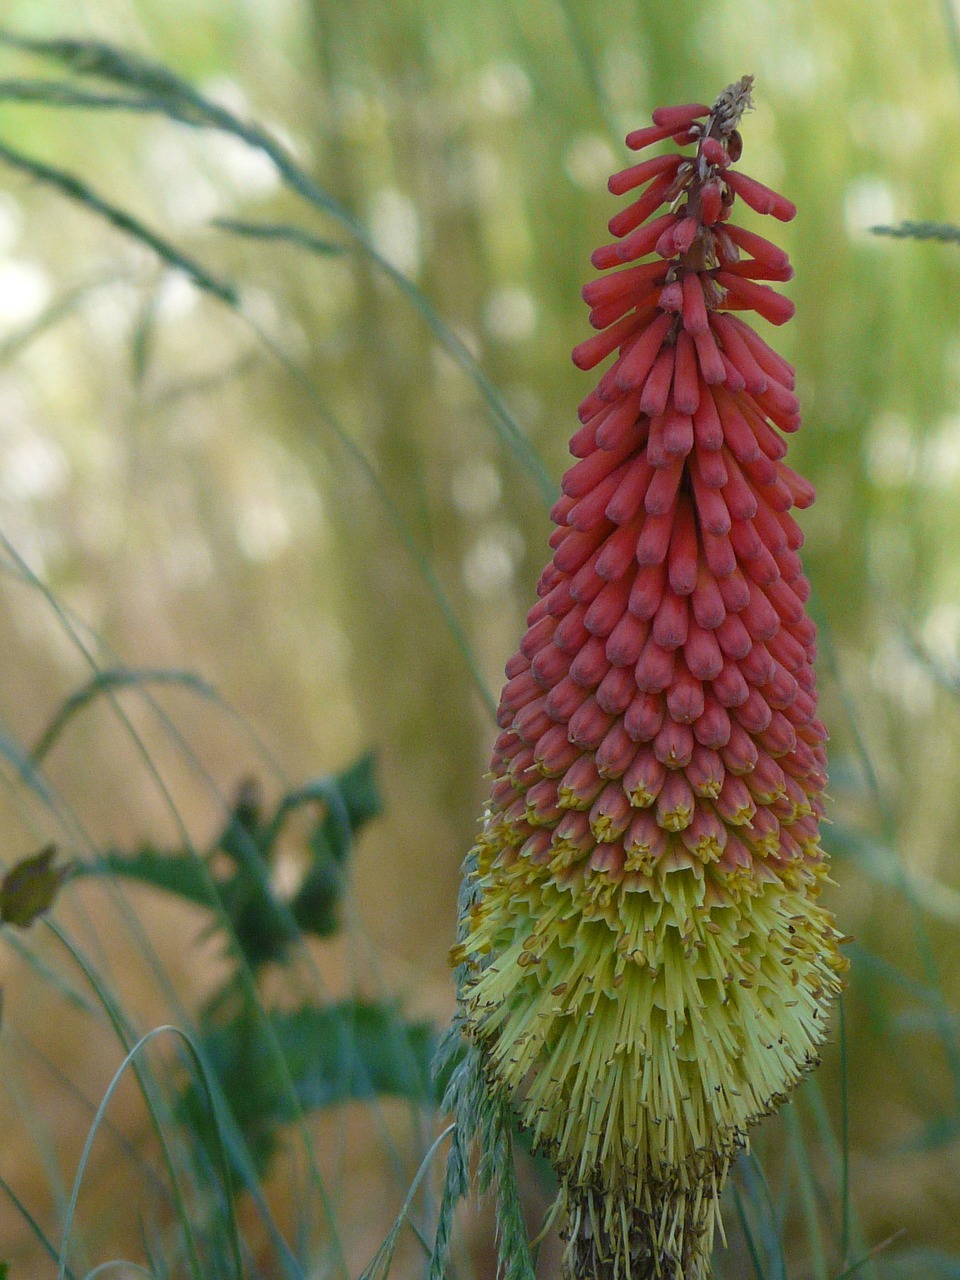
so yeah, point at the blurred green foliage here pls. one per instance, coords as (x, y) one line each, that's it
(273, 1065)
(346, 1052)
(258, 927)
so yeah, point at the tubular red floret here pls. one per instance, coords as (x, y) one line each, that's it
(590, 353)
(715, 153)
(681, 117)
(634, 214)
(749, 296)
(642, 241)
(639, 360)
(641, 138)
(770, 254)
(632, 281)
(759, 197)
(638, 174)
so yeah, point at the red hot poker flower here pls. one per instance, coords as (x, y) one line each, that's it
(647, 967)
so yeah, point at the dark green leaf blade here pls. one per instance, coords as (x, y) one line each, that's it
(280, 231)
(179, 873)
(358, 790)
(344, 1052)
(355, 1050)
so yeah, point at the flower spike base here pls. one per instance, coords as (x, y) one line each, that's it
(645, 969)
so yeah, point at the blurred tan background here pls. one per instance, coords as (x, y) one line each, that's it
(188, 504)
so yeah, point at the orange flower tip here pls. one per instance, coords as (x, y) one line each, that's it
(677, 118)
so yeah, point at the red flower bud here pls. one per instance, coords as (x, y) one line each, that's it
(651, 841)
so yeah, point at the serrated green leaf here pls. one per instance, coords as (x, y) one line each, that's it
(314, 906)
(245, 836)
(344, 1052)
(357, 786)
(29, 888)
(351, 799)
(942, 1131)
(355, 1050)
(263, 928)
(179, 873)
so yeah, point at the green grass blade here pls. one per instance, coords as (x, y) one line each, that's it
(38, 1232)
(75, 188)
(748, 1234)
(845, 1208)
(589, 67)
(178, 100)
(946, 232)
(808, 1194)
(59, 309)
(130, 1061)
(393, 513)
(281, 231)
(761, 1199)
(111, 679)
(379, 1267)
(949, 1040)
(128, 1267)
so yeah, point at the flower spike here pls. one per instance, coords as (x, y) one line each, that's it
(644, 966)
